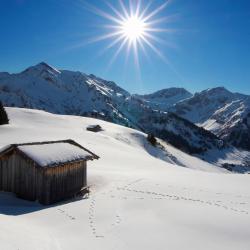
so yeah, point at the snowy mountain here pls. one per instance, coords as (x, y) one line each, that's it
(62, 92)
(66, 92)
(189, 205)
(165, 98)
(220, 111)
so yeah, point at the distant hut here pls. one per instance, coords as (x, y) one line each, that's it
(44, 171)
(94, 128)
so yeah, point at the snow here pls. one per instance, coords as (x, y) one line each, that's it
(93, 126)
(67, 92)
(210, 124)
(62, 92)
(137, 200)
(55, 153)
(165, 98)
(217, 110)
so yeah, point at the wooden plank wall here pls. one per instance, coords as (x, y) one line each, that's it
(19, 176)
(65, 181)
(47, 185)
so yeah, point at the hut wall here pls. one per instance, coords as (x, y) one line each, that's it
(64, 181)
(19, 175)
(23, 177)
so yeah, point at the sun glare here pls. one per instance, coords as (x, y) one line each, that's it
(133, 28)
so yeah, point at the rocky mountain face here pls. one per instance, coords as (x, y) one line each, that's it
(220, 111)
(217, 110)
(170, 114)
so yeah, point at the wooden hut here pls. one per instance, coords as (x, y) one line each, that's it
(44, 171)
(94, 128)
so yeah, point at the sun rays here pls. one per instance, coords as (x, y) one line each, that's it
(133, 27)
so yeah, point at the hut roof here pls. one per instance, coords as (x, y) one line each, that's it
(94, 128)
(52, 153)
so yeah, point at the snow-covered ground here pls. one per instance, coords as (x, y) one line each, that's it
(137, 201)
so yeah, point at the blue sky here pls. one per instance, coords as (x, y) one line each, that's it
(210, 46)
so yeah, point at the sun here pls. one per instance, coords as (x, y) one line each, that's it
(133, 28)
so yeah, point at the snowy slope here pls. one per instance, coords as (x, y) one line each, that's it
(183, 134)
(25, 123)
(137, 201)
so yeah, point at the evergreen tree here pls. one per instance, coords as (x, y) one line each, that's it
(152, 139)
(3, 115)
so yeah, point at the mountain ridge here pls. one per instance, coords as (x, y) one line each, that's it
(75, 93)
(220, 111)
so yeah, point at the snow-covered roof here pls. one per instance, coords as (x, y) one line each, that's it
(50, 154)
(93, 126)
(53, 153)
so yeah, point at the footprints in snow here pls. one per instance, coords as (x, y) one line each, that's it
(91, 215)
(92, 222)
(117, 220)
(112, 193)
(159, 196)
(66, 214)
(217, 193)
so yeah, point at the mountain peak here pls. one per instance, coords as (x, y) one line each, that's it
(42, 67)
(173, 91)
(219, 89)
(168, 93)
(164, 98)
(44, 64)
